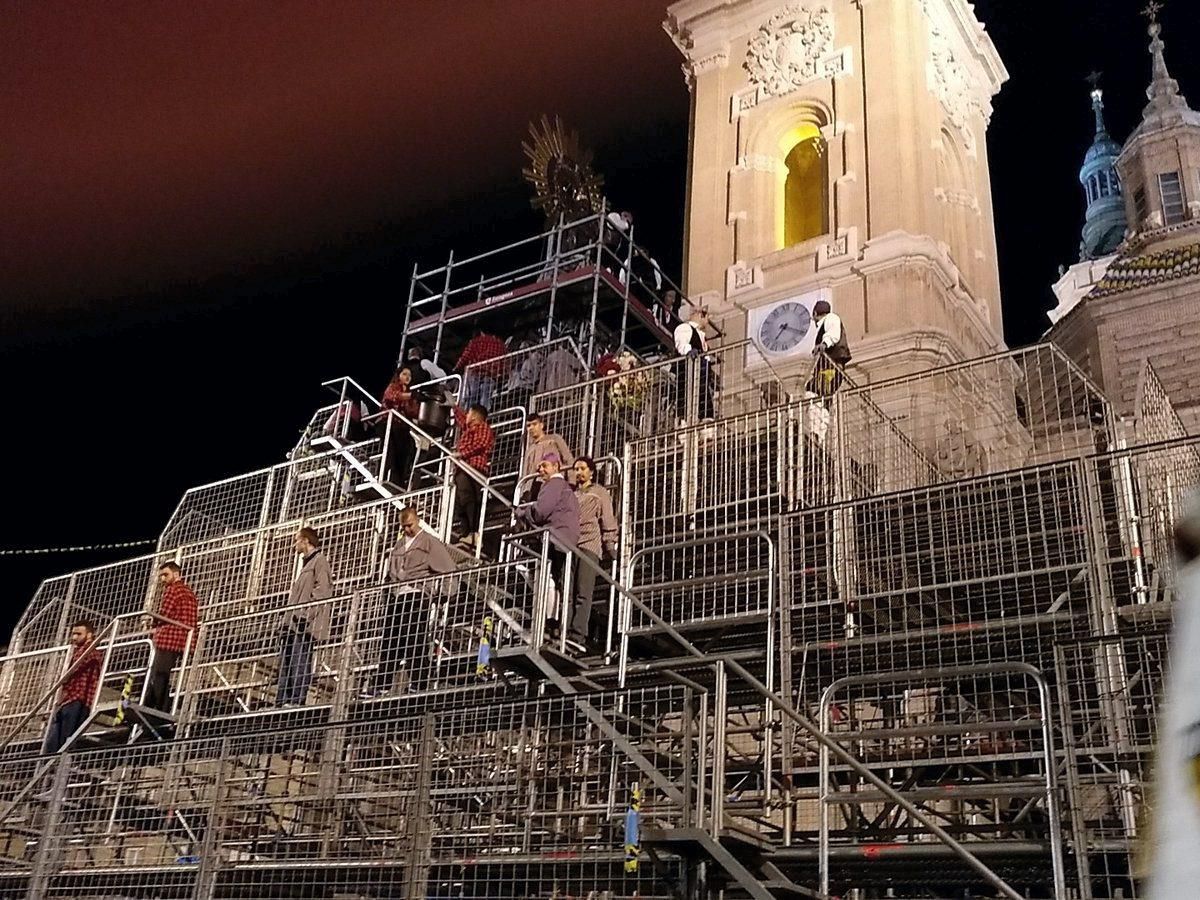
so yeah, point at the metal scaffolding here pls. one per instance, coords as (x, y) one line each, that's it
(904, 641)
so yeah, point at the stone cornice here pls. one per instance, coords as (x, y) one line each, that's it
(900, 248)
(699, 26)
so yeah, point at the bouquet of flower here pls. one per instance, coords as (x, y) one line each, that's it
(629, 391)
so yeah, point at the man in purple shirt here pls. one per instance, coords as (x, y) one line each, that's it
(556, 509)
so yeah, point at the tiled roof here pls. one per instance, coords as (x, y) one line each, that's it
(1130, 273)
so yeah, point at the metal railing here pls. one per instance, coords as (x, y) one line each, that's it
(891, 558)
(536, 782)
(815, 733)
(600, 415)
(629, 294)
(923, 721)
(112, 644)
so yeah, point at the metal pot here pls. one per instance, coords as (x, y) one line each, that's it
(433, 417)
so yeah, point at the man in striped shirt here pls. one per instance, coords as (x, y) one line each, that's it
(79, 688)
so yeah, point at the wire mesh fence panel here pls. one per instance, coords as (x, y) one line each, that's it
(438, 635)
(696, 480)
(96, 595)
(122, 883)
(133, 806)
(260, 660)
(424, 637)
(964, 557)
(971, 747)
(22, 812)
(876, 455)
(596, 417)
(1110, 692)
(224, 507)
(1001, 412)
(105, 592)
(1137, 495)
(329, 481)
(40, 625)
(1155, 417)
(704, 583)
(313, 482)
(27, 678)
(220, 573)
(506, 799)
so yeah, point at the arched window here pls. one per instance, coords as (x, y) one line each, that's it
(806, 189)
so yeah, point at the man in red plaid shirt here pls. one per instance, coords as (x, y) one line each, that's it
(481, 364)
(170, 639)
(78, 690)
(474, 447)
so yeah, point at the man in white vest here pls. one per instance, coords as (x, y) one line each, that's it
(691, 341)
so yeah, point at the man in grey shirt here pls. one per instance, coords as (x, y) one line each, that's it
(304, 626)
(404, 619)
(597, 536)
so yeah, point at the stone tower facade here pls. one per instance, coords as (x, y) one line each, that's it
(838, 151)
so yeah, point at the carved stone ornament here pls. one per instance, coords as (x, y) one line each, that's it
(838, 248)
(787, 50)
(952, 84)
(741, 278)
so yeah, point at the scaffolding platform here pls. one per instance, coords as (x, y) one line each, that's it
(585, 280)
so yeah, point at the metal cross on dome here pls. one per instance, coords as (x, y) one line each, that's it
(1153, 8)
(1094, 79)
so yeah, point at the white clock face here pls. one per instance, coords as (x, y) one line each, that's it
(784, 327)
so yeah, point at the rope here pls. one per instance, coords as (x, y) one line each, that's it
(40, 551)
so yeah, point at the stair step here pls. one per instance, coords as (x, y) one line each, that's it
(941, 792)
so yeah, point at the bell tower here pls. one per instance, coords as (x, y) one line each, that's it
(838, 151)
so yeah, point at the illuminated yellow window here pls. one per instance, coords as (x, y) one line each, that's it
(806, 188)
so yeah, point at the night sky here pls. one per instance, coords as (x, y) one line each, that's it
(207, 209)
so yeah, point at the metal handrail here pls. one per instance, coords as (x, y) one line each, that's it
(815, 732)
(113, 626)
(538, 239)
(345, 381)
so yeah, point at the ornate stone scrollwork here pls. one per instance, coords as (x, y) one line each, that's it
(952, 84)
(788, 48)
